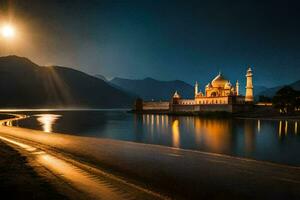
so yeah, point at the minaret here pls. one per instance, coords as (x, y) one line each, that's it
(196, 88)
(249, 87)
(237, 87)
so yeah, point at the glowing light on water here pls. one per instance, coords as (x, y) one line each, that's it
(280, 126)
(152, 119)
(176, 133)
(47, 121)
(157, 120)
(296, 127)
(258, 126)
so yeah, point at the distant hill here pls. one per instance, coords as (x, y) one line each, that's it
(150, 88)
(101, 77)
(24, 84)
(258, 89)
(270, 92)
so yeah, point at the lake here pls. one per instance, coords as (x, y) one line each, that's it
(270, 140)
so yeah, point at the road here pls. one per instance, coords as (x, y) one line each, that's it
(110, 169)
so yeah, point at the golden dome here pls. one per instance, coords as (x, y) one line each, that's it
(219, 81)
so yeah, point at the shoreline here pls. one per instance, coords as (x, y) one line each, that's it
(219, 114)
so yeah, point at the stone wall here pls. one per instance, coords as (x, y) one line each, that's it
(202, 108)
(212, 100)
(186, 101)
(151, 105)
(235, 104)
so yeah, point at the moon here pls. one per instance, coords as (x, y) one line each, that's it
(8, 31)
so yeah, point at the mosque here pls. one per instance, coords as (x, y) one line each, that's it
(219, 95)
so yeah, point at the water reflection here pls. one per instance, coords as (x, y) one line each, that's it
(250, 137)
(259, 139)
(258, 126)
(285, 128)
(216, 135)
(212, 133)
(176, 133)
(47, 121)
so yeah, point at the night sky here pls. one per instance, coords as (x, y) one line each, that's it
(186, 40)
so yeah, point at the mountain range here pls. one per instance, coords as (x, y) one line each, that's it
(152, 89)
(24, 84)
(270, 92)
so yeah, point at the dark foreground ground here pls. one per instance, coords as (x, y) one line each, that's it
(19, 181)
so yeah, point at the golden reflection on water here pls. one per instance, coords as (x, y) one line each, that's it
(217, 135)
(163, 121)
(279, 129)
(176, 133)
(47, 121)
(152, 119)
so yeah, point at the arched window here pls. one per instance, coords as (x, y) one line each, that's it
(214, 94)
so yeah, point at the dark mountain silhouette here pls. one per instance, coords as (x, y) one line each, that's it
(24, 84)
(150, 88)
(101, 77)
(258, 89)
(270, 92)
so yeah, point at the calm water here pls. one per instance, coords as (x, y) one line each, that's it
(277, 141)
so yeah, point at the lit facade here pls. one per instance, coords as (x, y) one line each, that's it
(219, 96)
(219, 91)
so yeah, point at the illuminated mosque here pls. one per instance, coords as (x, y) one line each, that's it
(219, 91)
(219, 95)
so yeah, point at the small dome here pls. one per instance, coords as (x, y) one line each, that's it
(208, 85)
(227, 85)
(219, 81)
(200, 94)
(176, 95)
